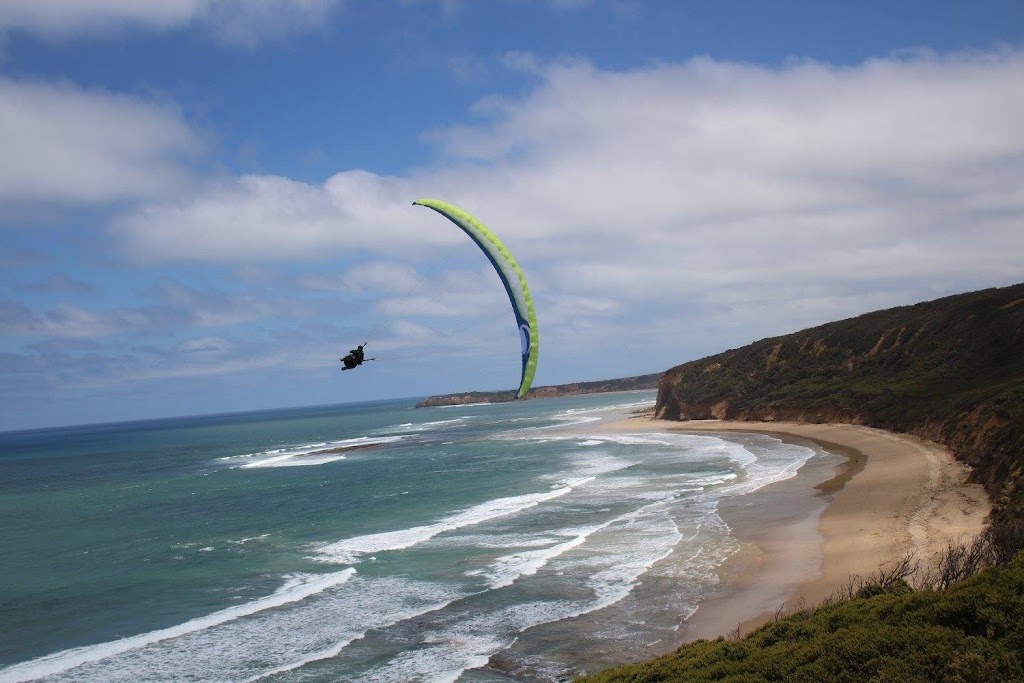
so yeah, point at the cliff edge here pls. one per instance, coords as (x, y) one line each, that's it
(949, 370)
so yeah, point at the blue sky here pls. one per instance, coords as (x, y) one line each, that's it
(204, 203)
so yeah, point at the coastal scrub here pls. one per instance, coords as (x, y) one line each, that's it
(972, 632)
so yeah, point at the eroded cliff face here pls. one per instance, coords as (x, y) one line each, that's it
(950, 370)
(671, 406)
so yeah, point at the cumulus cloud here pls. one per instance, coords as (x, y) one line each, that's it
(677, 175)
(257, 218)
(62, 143)
(738, 197)
(705, 203)
(234, 21)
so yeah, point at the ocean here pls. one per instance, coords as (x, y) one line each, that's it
(364, 542)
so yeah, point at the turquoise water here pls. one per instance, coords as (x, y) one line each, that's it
(507, 542)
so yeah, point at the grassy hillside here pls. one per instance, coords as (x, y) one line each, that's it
(950, 370)
(971, 632)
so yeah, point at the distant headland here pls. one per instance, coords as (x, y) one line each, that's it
(622, 384)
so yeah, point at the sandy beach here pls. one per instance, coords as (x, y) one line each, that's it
(879, 497)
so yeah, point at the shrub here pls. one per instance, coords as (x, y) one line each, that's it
(973, 631)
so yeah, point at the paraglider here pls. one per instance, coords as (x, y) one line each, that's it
(354, 358)
(511, 276)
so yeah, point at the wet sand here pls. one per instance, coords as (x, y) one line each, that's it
(877, 498)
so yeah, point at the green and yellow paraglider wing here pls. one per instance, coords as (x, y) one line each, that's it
(511, 276)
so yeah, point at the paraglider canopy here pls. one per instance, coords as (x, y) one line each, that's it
(511, 276)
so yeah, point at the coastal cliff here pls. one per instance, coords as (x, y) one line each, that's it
(949, 370)
(575, 388)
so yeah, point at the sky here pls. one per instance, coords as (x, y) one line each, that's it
(205, 203)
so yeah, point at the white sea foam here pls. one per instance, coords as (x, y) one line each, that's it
(506, 540)
(243, 541)
(295, 588)
(591, 439)
(390, 603)
(596, 462)
(306, 454)
(651, 520)
(349, 550)
(638, 540)
(443, 662)
(272, 642)
(504, 571)
(587, 415)
(714, 479)
(633, 439)
(574, 420)
(756, 465)
(415, 427)
(448, 631)
(766, 466)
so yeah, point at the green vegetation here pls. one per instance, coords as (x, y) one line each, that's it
(949, 370)
(971, 632)
(962, 621)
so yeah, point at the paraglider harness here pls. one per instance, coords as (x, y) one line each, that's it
(355, 357)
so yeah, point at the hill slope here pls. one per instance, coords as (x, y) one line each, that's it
(949, 370)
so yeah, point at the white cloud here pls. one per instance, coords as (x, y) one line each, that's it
(746, 200)
(248, 22)
(256, 218)
(676, 178)
(177, 307)
(63, 321)
(703, 154)
(207, 347)
(243, 22)
(67, 17)
(376, 276)
(212, 308)
(66, 144)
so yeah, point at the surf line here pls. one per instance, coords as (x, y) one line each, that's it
(348, 550)
(295, 589)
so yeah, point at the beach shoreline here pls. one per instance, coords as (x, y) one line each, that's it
(878, 497)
